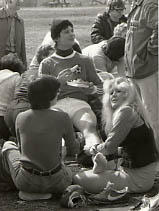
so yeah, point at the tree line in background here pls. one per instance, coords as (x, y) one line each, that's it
(51, 3)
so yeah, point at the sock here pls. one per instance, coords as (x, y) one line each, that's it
(100, 163)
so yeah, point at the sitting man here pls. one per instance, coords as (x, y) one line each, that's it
(36, 165)
(47, 41)
(104, 24)
(68, 65)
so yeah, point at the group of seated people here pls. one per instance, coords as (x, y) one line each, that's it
(44, 107)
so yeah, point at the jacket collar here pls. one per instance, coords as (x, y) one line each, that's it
(138, 3)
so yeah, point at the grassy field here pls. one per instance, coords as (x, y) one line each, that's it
(37, 23)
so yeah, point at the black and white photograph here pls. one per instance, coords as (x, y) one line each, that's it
(79, 100)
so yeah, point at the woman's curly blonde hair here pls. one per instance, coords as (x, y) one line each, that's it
(133, 100)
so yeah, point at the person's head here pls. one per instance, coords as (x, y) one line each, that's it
(120, 30)
(114, 48)
(12, 62)
(44, 51)
(43, 91)
(12, 5)
(120, 92)
(62, 33)
(115, 9)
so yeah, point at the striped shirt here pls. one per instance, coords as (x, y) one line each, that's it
(54, 64)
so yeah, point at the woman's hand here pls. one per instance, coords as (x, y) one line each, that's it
(97, 148)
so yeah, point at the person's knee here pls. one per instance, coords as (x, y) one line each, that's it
(90, 128)
(76, 179)
(85, 119)
(92, 183)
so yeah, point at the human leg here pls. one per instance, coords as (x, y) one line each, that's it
(82, 117)
(149, 93)
(11, 159)
(137, 180)
(95, 183)
(85, 121)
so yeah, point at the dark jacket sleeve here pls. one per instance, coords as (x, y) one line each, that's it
(23, 48)
(98, 29)
(102, 29)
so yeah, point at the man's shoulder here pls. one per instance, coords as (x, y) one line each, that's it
(103, 15)
(60, 114)
(92, 50)
(23, 115)
(82, 57)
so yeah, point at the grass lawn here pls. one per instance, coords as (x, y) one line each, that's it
(37, 22)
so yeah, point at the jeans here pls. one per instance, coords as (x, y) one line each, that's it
(28, 182)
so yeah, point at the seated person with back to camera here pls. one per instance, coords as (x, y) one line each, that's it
(35, 164)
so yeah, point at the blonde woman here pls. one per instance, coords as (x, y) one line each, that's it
(126, 125)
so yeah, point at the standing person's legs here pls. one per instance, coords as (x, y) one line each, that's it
(149, 93)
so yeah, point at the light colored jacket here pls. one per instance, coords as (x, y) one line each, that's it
(19, 35)
(141, 47)
(8, 81)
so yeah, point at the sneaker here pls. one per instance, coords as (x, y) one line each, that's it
(34, 196)
(109, 195)
(147, 204)
(73, 197)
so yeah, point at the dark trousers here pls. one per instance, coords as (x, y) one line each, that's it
(4, 130)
